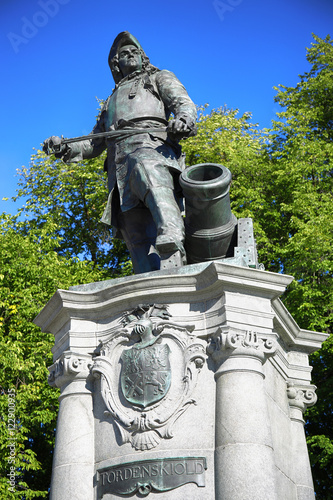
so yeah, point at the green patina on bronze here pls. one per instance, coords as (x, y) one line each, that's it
(146, 476)
(145, 200)
(210, 225)
(146, 371)
(140, 125)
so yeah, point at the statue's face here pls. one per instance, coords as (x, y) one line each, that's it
(129, 59)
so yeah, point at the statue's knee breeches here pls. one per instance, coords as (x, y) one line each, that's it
(146, 176)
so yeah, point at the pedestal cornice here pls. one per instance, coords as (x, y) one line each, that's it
(207, 280)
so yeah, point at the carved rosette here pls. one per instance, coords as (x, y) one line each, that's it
(68, 367)
(232, 343)
(300, 397)
(149, 399)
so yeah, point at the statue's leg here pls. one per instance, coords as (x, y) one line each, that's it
(139, 232)
(153, 184)
(168, 220)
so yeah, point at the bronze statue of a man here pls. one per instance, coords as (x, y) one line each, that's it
(143, 168)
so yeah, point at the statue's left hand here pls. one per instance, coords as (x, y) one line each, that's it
(181, 126)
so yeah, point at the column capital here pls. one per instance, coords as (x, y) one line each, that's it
(227, 345)
(234, 342)
(69, 366)
(300, 397)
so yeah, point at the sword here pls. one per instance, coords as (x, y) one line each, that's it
(112, 134)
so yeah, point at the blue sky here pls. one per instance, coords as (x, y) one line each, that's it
(54, 56)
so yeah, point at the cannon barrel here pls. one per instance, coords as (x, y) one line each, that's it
(209, 223)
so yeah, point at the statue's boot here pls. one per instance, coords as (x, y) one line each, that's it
(138, 230)
(168, 220)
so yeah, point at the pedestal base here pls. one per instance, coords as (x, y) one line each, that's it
(184, 384)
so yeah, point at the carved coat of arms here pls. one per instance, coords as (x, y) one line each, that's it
(146, 374)
(148, 370)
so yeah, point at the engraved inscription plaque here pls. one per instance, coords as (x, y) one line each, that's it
(145, 476)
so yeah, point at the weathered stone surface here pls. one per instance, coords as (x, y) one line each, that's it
(244, 413)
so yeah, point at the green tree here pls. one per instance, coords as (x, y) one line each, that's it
(30, 272)
(302, 175)
(74, 197)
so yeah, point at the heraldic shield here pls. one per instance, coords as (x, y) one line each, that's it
(146, 374)
(148, 370)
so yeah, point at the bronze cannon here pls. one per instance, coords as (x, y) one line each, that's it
(210, 226)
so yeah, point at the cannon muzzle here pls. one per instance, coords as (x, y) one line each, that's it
(210, 226)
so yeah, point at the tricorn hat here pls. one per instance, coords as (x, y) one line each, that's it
(124, 38)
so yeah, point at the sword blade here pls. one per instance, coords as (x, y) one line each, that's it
(113, 134)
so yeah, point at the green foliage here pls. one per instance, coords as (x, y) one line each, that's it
(30, 272)
(319, 422)
(302, 154)
(74, 197)
(302, 158)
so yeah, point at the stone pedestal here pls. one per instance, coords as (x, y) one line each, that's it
(184, 384)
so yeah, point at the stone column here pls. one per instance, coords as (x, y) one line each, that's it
(244, 458)
(300, 397)
(73, 461)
